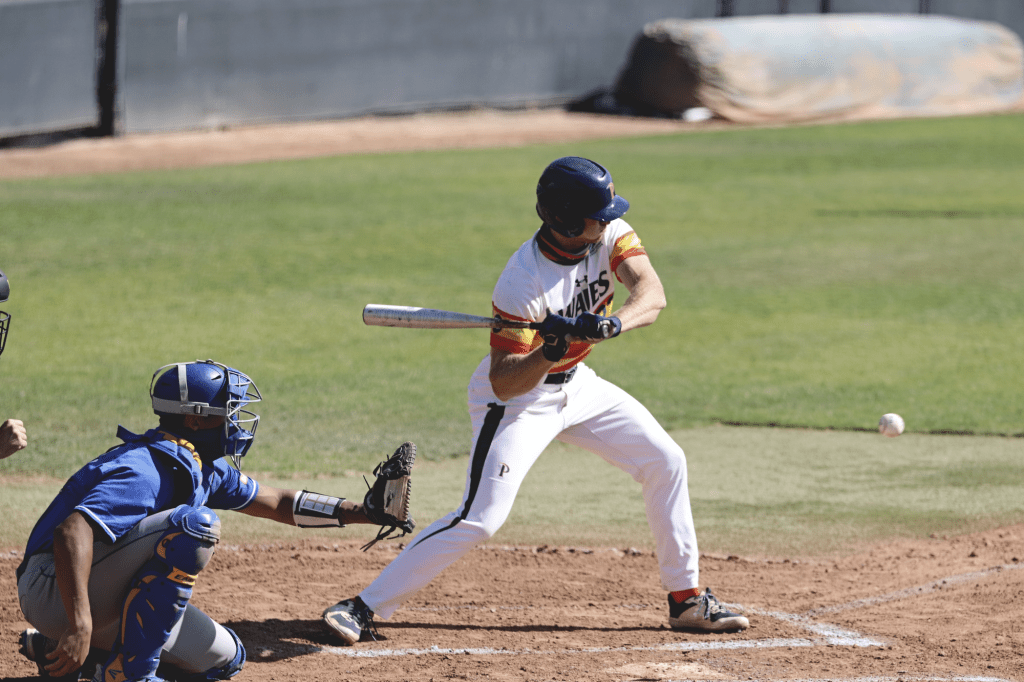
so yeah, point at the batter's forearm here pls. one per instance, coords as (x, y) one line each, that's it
(646, 293)
(640, 312)
(645, 302)
(513, 375)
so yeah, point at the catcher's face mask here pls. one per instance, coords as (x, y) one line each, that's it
(5, 324)
(5, 318)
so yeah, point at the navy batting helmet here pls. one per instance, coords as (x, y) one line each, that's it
(209, 389)
(573, 188)
(5, 318)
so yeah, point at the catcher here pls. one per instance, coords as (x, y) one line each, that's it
(110, 566)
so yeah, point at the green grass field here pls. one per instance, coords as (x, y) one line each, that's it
(817, 277)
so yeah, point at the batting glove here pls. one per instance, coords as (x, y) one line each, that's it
(554, 330)
(591, 326)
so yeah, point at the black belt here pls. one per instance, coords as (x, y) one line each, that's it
(561, 378)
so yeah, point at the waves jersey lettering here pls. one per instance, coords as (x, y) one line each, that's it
(539, 277)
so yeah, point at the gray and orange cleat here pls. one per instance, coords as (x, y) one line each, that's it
(704, 613)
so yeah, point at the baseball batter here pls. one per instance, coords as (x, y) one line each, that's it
(534, 387)
(110, 566)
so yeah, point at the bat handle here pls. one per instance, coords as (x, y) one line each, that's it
(606, 329)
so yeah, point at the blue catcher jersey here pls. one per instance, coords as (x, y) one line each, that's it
(145, 475)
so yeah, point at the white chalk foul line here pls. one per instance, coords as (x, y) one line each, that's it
(913, 591)
(486, 651)
(826, 635)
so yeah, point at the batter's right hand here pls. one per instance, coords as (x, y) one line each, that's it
(555, 330)
(69, 654)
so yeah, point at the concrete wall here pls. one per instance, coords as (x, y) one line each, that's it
(203, 63)
(47, 66)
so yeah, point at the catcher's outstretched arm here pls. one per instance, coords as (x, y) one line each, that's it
(305, 509)
(386, 503)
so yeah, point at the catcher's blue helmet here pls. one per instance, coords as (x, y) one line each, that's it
(573, 188)
(5, 318)
(209, 388)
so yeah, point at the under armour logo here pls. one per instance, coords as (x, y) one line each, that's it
(504, 470)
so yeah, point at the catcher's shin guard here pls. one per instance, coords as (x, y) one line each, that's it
(162, 589)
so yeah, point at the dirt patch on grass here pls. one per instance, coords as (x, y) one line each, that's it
(367, 135)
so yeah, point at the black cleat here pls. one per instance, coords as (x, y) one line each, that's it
(352, 620)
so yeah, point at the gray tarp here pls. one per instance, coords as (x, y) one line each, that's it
(808, 67)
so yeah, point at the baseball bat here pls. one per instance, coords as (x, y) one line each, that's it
(429, 318)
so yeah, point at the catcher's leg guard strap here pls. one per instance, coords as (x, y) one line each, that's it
(162, 589)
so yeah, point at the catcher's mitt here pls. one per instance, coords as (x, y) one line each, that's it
(387, 500)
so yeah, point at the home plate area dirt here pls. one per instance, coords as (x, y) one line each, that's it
(928, 609)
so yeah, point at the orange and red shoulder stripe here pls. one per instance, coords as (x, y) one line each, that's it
(626, 246)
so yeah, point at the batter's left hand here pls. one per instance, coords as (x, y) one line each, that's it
(594, 327)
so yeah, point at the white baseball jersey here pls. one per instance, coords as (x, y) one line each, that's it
(578, 408)
(533, 282)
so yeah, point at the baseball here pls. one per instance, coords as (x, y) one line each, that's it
(890, 425)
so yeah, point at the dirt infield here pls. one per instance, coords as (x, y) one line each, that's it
(352, 136)
(928, 609)
(936, 609)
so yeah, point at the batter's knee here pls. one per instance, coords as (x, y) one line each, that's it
(189, 543)
(224, 672)
(669, 465)
(483, 529)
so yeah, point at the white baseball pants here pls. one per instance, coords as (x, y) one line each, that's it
(509, 437)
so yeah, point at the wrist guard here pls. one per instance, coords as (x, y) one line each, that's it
(313, 510)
